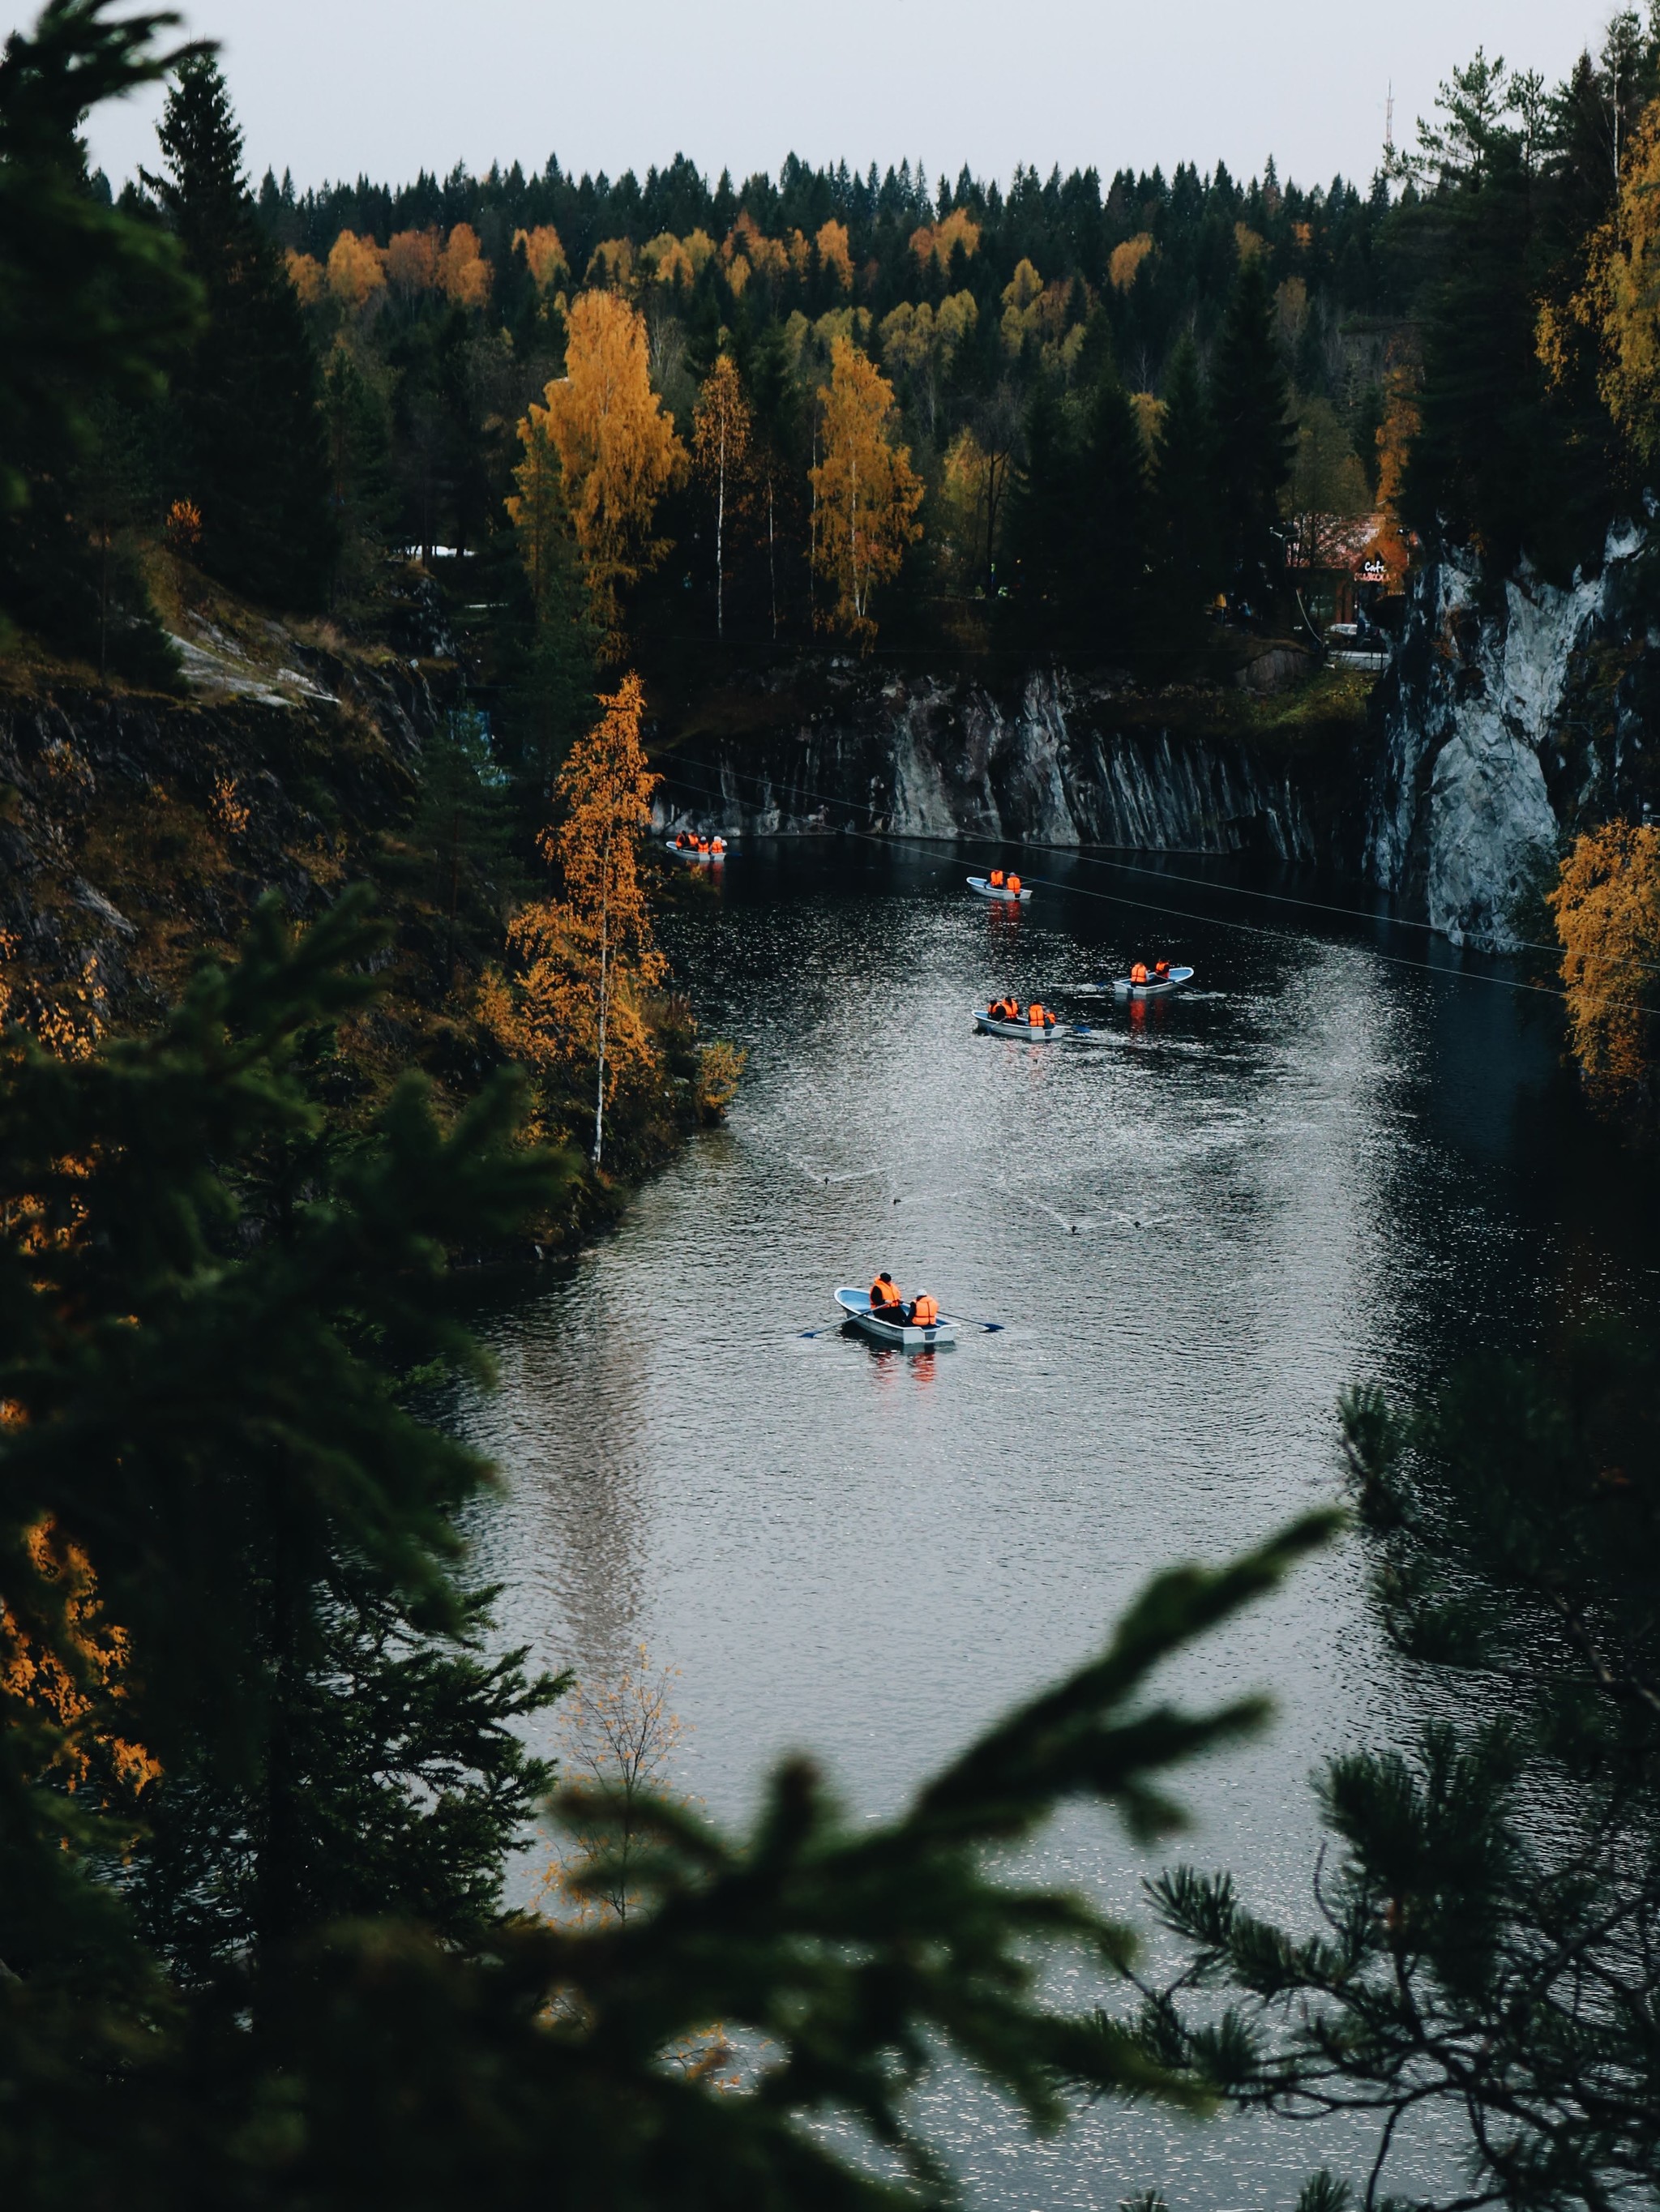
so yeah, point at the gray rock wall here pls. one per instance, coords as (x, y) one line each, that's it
(929, 759)
(1484, 759)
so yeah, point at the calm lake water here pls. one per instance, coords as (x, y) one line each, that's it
(1328, 1163)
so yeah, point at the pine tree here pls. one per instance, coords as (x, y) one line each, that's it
(1486, 1959)
(247, 405)
(1250, 405)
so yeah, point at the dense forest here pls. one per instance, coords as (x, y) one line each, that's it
(263, 1762)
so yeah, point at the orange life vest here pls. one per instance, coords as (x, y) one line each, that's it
(925, 1313)
(1138, 973)
(1161, 967)
(1035, 1016)
(719, 845)
(1013, 883)
(997, 879)
(884, 1291)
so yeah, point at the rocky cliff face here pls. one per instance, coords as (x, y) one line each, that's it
(1063, 764)
(1503, 726)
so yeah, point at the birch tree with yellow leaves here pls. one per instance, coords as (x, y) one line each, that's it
(866, 494)
(617, 450)
(588, 958)
(721, 426)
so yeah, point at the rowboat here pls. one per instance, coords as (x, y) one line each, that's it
(856, 1306)
(998, 891)
(1156, 987)
(692, 853)
(1027, 1032)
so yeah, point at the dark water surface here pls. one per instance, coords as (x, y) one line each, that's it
(1198, 1226)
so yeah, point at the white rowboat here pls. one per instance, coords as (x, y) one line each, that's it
(1156, 987)
(997, 891)
(691, 851)
(856, 1306)
(1024, 1031)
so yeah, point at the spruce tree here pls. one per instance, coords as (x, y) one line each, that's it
(1043, 527)
(247, 404)
(1109, 586)
(1187, 561)
(1250, 407)
(209, 1393)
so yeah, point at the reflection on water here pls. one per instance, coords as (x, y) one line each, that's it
(1195, 1226)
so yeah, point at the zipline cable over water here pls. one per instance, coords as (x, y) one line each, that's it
(1213, 921)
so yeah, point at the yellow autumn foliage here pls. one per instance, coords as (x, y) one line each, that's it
(1618, 308)
(412, 259)
(866, 493)
(1606, 903)
(617, 447)
(306, 275)
(356, 269)
(544, 256)
(834, 252)
(936, 241)
(463, 274)
(1126, 259)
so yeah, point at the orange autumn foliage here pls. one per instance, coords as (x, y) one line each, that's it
(617, 448)
(412, 259)
(865, 492)
(65, 1668)
(463, 274)
(544, 254)
(356, 269)
(1607, 906)
(935, 241)
(834, 253)
(589, 954)
(307, 276)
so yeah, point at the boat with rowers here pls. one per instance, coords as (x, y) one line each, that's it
(689, 846)
(907, 1335)
(1155, 983)
(1004, 1017)
(998, 886)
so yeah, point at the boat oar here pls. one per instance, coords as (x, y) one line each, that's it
(973, 1320)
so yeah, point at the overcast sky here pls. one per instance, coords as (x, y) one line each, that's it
(337, 87)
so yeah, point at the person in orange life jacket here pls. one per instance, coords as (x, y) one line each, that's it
(1161, 968)
(717, 844)
(1138, 973)
(996, 879)
(1039, 1017)
(924, 1311)
(1012, 886)
(885, 1302)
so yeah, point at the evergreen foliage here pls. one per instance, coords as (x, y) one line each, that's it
(93, 305)
(246, 418)
(1487, 1951)
(215, 1305)
(1250, 408)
